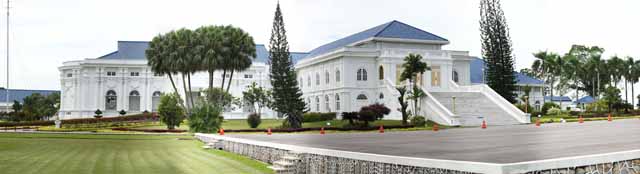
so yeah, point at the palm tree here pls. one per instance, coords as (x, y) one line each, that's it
(160, 59)
(572, 69)
(634, 78)
(210, 50)
(615, 69)
(413, 65)
(242, 50)
(626, 73)
(547, 65)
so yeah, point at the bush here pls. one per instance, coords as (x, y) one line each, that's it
(129, 118)
(170, 111)
(547, 106)
(554, 111)
(350, 116)
(254, 120)
(418, 121)
(206, 118)
(372, 113)
(522, 108)
(574, 113)
(315, 116)
(122, 112)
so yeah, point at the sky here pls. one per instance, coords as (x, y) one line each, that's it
(45, 33)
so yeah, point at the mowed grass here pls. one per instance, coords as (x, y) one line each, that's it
(137, 154)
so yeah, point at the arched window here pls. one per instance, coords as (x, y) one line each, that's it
(326, 77)
(337, 102)
(134, 101)
(155, 100)
(362, 74)
(317, 104)
(381, 73)
(381, 96)
(361, 97)
(455, 76)
(111, 101)
(317, 78)
(308, 80)
(326, 103)
(337, 75)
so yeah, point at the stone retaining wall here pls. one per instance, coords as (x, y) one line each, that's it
(620, 167)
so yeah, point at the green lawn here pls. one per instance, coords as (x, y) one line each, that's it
(57, 153)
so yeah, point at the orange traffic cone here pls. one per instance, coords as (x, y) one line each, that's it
(269, 131)
(381, 129)
(322, 131)
(221, 131)
(435, 127)
(609, 117)
(581, 120)
(484, 124)
(538, 122)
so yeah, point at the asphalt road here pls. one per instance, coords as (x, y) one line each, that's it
(497, 144)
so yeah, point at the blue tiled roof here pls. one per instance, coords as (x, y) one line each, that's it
(586, 100)
(393, 29)
(135, 50)
(557, 98)
(477, 69)
(297, 56)
(20, 94)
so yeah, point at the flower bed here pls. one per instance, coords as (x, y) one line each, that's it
(137, 117)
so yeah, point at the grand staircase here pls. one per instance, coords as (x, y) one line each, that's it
(471, 108)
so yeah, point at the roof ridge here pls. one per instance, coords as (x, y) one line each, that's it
(418, 29)
(385, 27)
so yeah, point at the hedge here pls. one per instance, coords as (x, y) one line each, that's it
(137, 117)
(289, 130)
(317, 116)
(149, 130)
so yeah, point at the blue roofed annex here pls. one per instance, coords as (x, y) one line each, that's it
(20, 94)
(557, 98)
(393, 29)
(586, 100)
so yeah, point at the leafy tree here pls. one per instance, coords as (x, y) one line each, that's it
(413, 65)
(17, 107)
(170, 111)
(615, 65)
(612, 96)
(213, 95)
(206, 118)
(354, 116)
(39, 107)
(634, 77)
(257, 95)
(548, 66)
(496, 49)
(287, 97)
(403, 104)
(372, 113)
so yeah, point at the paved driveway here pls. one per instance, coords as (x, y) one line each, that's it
(497, 144)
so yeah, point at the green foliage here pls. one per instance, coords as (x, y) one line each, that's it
(170, 111)
(413, 65)
(418, 121)
(403, 104)
(351, 116)
(548, 105)
(214, 95)
(315, 116)
(17, 107)
(554, 111)
(206, 118)
(496, 49)
(612, 97)
(257, 95)
(98, 112)
(287, 97)
(254, 120)
(122, 112)
(528, 109)
(37, 107)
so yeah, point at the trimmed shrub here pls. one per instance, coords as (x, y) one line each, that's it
(350, 116)
(547, 106)
(418, 121)
(372, 113)
(254, 120)
(122, 112)
(206, 118)
(554, 111)
(170, 111)
(316, 116)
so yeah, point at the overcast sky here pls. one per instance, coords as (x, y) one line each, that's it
(46, 33)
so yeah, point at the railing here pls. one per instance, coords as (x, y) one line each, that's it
(431, 107)
(496, 98)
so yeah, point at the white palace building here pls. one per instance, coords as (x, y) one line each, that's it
(341, 76)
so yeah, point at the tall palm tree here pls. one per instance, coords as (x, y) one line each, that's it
(413, 65)
(634, 78)
(160, 58)
(615, 69)
(626, 73)
(211, 50)
(243, 50)
(547, 65)
(572, 69)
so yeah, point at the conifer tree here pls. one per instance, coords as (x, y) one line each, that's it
(286, 94)
(496, 49)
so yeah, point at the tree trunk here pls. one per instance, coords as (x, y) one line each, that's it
(224, 73)
(175, 88)
(230, 79)
(633, 102)
(190, 90)
(184, 85)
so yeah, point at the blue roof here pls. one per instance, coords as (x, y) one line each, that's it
(557, 98)
(586, 100)
(297, 56)
(20, 94)
(477, 73)
(393, 29)
(136, 50)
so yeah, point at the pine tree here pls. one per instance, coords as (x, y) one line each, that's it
(286, 94)
(496, 49)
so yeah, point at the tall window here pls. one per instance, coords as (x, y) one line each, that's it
(362, 74)
(111, 101)
(381, 73)
(317, 78)
(155, 100)
(326, 77)
(455, 76)
(337, 75)
(134, 101)
(317, 104)
(337, 102)
(308, 80)
(326, 103)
